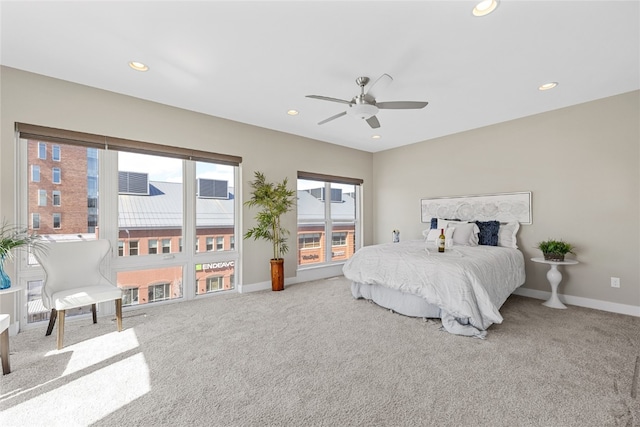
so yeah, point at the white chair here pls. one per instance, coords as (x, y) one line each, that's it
(73, 279)
(4, 343)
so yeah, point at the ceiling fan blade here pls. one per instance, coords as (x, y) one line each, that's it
(326, 98)
(401, 105)
(332, 118)
(373, 122)
(379, 85)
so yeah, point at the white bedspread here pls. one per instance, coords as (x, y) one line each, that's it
(465, 282)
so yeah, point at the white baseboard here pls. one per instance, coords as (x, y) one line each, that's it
(306, 275)
(336, 270)
(630, 310)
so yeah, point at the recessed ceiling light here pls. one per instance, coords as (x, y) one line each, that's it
(485, 7)
(375, 137)
(292, 112)
(548, 86)
(138, 66)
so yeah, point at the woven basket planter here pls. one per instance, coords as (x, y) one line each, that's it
(554, 257)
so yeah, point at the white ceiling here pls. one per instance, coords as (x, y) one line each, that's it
(252, 61)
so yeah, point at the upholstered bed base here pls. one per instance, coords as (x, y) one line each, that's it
(399, 302)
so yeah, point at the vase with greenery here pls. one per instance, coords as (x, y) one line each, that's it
(13, 237)
(273, 200)
(555, 250)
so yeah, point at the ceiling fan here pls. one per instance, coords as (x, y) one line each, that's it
(365, 106)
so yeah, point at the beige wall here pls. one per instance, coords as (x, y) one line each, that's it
(581, 164)
(31, 98)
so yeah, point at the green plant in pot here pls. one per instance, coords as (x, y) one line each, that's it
(13, 237)
(555, 250)
(273, 200)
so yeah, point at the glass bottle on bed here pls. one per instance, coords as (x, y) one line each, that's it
(441, 241)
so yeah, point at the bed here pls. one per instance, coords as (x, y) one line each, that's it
(465, 286)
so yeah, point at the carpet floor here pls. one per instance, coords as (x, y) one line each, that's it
(314, 356)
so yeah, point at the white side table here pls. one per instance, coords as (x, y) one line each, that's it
(554, 277)
(14, 293)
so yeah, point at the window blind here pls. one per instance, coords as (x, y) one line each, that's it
(329, 178)
(62, 136)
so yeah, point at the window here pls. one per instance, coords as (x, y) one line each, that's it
(339, 239)
(215, 283)
(232, 243)
(215, 276)
(215, 204)
(150, 284)
(327, 218)
(150, 210)
(150, 193)
(55, 153)
(57, 220)
(55, 178)
(133, 247)
(159, 292)
(309, 240)
(42, 197)
(35, 173)
(129, 296)
(42, 150)
(36, 311)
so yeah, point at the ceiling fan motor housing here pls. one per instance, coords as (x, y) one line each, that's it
(363, 111)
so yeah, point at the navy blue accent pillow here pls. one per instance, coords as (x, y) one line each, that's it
(434, 222)
(488, 232)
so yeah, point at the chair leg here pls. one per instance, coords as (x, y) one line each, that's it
(4, 351)
(60, 329)
(119, 314)
(93, 310)
(52, 321)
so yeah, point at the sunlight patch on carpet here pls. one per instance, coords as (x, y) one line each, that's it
(91, 352)
(111, 388)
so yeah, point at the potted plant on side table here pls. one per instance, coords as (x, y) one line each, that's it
(555, 250)
(274, 200)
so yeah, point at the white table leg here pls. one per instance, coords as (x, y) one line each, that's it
(554, 277)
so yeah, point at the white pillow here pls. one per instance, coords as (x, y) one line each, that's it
(443, 223)
(434, 234)
(466, 233)
(507, 235)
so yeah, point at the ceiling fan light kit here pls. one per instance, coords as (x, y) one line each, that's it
(364, 105)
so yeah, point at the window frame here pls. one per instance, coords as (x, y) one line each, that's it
(42, 197)
(56, 198)
(106, 161)
(42, 150)
(54, 149)
(54, 172)
(327, 225)
(152, 246)
(57, 218)
(35, 173)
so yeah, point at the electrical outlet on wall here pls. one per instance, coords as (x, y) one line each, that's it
(615, 282)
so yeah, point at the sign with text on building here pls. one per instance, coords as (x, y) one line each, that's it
(210, 266)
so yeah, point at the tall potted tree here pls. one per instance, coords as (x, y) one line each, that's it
(274, 200)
